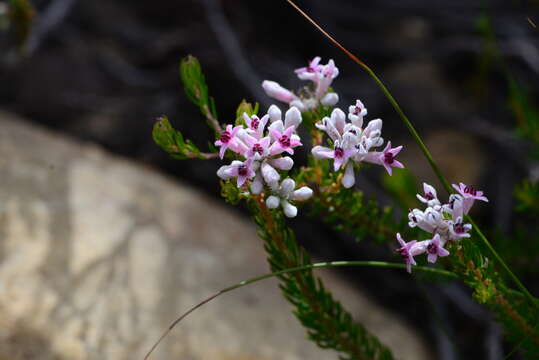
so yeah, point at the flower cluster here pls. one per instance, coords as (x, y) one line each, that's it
(262, 150)
(321, 77)
(444, 221)
(353, 144)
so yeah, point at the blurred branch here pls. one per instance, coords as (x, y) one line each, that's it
(49, 20)
(237, 60)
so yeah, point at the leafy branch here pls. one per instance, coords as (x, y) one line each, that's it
(172, 141)
(329, 324)
(418, 140)
(346, 209)
(196, 90)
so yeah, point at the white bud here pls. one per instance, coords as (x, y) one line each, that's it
(303, 193)
(257, 186)
(278, 92)
(272, 202)
(298, 104)
(349, 178)
(283, 163)
(289, 209)
(274, 113)
(270, 175)
(287, 186)
(330, 99)
(223, 173)
(292, 117)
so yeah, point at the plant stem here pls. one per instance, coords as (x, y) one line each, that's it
(421, 145)
(380, 264)
(515, 279)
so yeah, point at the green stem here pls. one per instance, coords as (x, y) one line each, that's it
(410, 127)
(521, 286)
(421, 145)
(381, 264)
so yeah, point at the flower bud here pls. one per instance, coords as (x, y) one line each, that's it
(292, 117)
(278, 92)
(287, 186)
(349, 178)
(283, 163)
(330, 99)
(272, 202)
(274, 113)
(289, 209)
(302, 193)
(270, 175)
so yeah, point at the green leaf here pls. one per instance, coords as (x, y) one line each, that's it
(328, 324)
(196, 90)
(173, 142)
(245, 107)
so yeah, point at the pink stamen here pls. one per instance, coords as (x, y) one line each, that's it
(388, 158)
(225, 137)
(470, 190)
(257, 148)
(242, 170)
(254, 123)
(284, 141)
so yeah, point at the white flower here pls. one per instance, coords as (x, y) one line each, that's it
(429, 195)
(284, 193)
(321, 75)
(356, 113)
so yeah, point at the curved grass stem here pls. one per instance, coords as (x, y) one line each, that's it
(381, 264)
(421, 145)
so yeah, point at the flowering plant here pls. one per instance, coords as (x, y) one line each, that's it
(260, 169)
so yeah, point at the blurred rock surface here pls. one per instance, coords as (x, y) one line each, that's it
(98, 256)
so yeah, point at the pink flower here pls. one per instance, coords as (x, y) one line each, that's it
(385, 158)
(356, 113)
(339, 154)
(326, 76)
(435, 248)
(469, 195)
(255, 125)
(311, 71)
(240, 170)
(408, 251)
(430, 197)
(283, 142)
(256, 148)
(228, 140)
(458, 229)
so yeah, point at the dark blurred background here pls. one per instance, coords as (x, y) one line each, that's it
(102, 71)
